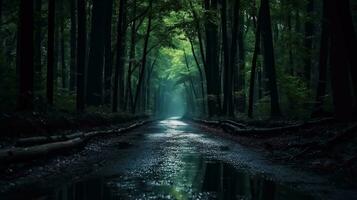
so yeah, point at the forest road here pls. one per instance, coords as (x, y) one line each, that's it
(173, 159)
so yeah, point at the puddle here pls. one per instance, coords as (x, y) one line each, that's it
(197, 179)
(174, 162)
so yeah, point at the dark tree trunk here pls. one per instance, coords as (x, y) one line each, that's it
(73, 49)
(143, 61)
(128, 93)
(309, 33)
(94, 81)
(254, 67)
(235, 51)
(51, 51)
(322, 81)
(81, 54)
(212, 60)
(63, 49)
(201, 78)
(241, 67)
(108, 67)
(269, 60)
(228, 70)
(1, 5)
(342, 58)
(26, 57)
(37, 42)
(118, 89)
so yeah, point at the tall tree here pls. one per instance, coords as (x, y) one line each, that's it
(254, 65)
(323, 62)
(81, 54)
(342, 58)
(96, 54)
(108, 67)
(50, 51)
(144, 59)
(72, 78)
(38, 41)
(228, 70)
(118, 89)
(63, 46)
(212, 58)
(308, 40)
(26, 60)
(269, 59)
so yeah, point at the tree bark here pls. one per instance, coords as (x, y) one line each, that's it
(308, 40)
(81, 54)
(37, 42)
(118, 89)
(63, 49)
(322, 81)
(254, 67)
(143, 61)
(94, 95)
(342, 58)
(108, 67)
(212, 60)
(26, 57)
(73, 49)
(269, 60)
(201, 78)
(228, 89)
(51, 51)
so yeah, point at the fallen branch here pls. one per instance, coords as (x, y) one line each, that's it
(27, 153)
(233, 129)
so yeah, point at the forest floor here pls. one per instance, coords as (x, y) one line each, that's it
(326, 148)
(32, 124)
(167, 159)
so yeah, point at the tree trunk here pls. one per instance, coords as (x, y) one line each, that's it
(72, 82)
(26, 58)
(118, 89)
(37, 42)
(201, 78)
(228, 97)
(143, 61)
(63, 49)
(309, 33)
(322, 81)
(94, 81)
(212, 60)
(254, 67)
(81, 54)
(108, 67)
(241, 67)
(128, 93)
(342, 57)
(51, 51)
(269, 60)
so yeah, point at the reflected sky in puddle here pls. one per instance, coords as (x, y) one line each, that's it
(180, 171)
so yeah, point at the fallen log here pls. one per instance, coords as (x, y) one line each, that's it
(28, 153)
(234, 123)
(25, 142)
(233, 129)
(18, 154)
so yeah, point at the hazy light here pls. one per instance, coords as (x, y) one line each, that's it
(173, 123)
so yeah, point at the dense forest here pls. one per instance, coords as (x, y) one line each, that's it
(217, 58)
(178, 99)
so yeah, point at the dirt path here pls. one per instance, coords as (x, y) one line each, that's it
(165, 160)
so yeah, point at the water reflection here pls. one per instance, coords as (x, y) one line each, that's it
(199, 180)
(180, 170)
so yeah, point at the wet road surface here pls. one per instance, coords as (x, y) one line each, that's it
(171, 159)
